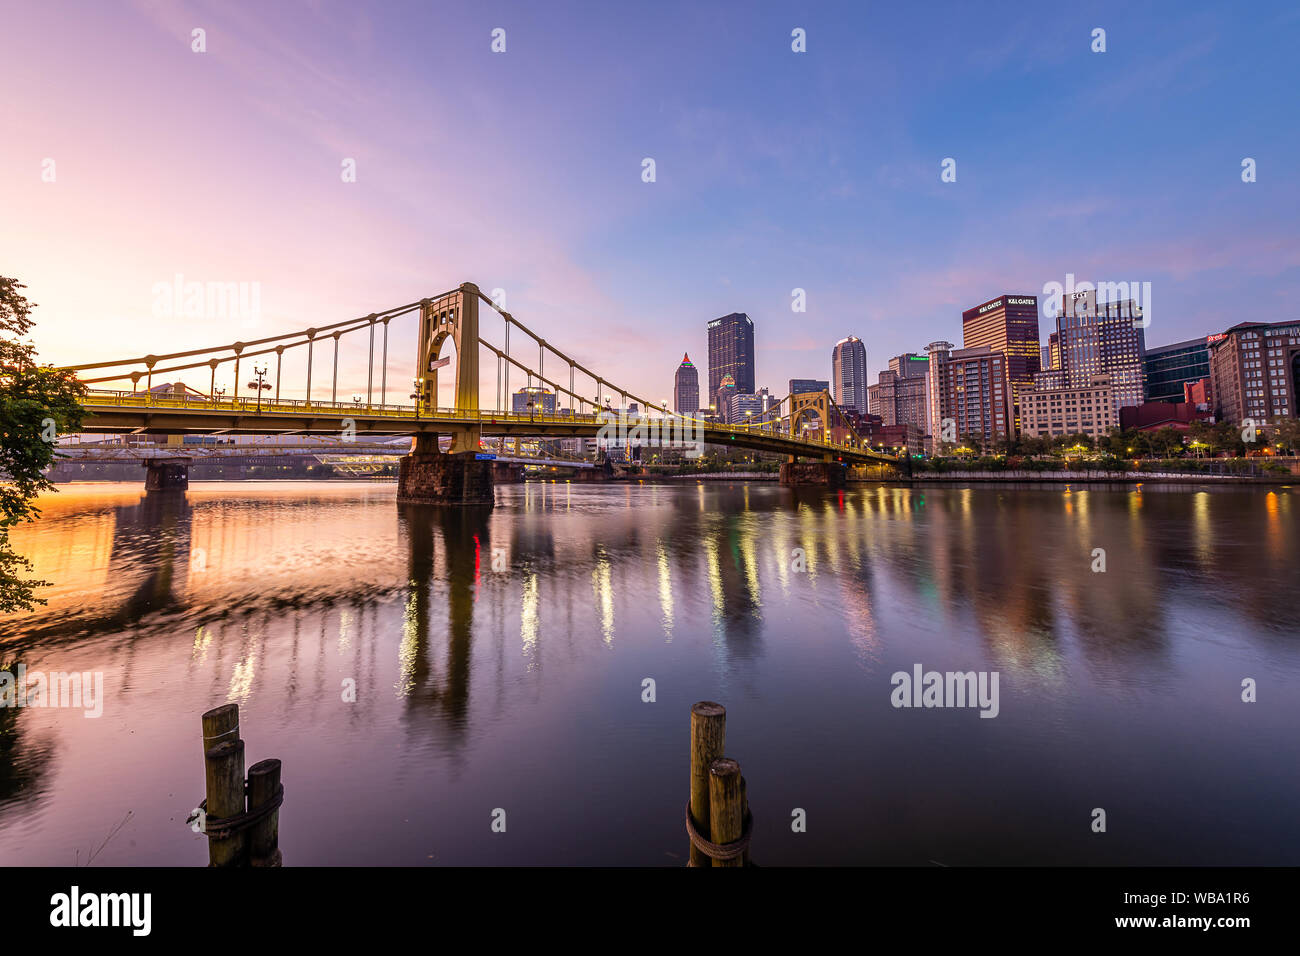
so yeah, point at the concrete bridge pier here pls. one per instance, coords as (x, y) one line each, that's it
(825, 474)
(507, 473)
(428, 476)
(166, 474)
(604, 471)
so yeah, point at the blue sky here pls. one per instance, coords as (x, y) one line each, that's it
(775, 170)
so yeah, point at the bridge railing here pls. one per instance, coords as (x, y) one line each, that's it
(126, 399)
(295, 406)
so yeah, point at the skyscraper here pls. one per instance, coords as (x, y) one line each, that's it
(1007, 324)
(799, 385)
(969, 394)
(686, 387)
(1102, 339)
(849, 373)
(910, 365)
(731, 352)
(936, 352)
(721, 399)
(903, 392)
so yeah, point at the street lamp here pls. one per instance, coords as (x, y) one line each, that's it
(417, 385)
(259, 385)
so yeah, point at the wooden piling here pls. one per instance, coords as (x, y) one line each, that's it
(225, 789)
(223, 759)
(708, 739)
(264, 837)
(726, 816)
(220, 724)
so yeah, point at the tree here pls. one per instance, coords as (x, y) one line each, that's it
(1286, 434)
(1166, 441)
(1123, 443)
(1075, 444)
(1035, 445)
(37, 402)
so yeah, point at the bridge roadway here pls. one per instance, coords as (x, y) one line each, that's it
(337, 449)
(141, 413)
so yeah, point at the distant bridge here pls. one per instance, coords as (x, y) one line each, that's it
(237, 452)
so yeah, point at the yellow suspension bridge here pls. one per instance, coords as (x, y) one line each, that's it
(427, 474)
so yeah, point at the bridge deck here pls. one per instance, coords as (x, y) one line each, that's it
(125, 412)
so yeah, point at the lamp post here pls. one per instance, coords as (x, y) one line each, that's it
(259, 386)
(416, 384)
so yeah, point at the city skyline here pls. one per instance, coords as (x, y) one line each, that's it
(798, 198)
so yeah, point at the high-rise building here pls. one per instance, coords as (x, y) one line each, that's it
(747, 409)
(533, 399)
(903, 392)
(1085, 410)
(1255, 372)
(731, 352)
(873, 400)
(1102, 339)
(686, 387)
(722, 397)
(910, 365)
(798, 385)
(1007, 324)
(849, 373)
(1053, 351)
(1169, 367)
(970, 394)
(935, 352)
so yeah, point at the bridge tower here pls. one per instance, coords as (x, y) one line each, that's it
(459, 477)
(827, 472)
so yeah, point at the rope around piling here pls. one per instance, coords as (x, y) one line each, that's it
(223, 828)
(719, 851)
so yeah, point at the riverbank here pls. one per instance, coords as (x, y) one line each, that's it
(1091, 477)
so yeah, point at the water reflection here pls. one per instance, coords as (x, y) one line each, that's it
(527, 630)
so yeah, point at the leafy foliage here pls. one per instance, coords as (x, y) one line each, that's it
(36, 403)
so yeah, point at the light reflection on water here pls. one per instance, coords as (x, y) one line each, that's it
(520, 688)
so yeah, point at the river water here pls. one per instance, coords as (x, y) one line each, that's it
(499, 663)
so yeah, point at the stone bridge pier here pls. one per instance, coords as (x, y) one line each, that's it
(166, 474)
(433, 477)
(825, 474)
(507, 473)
